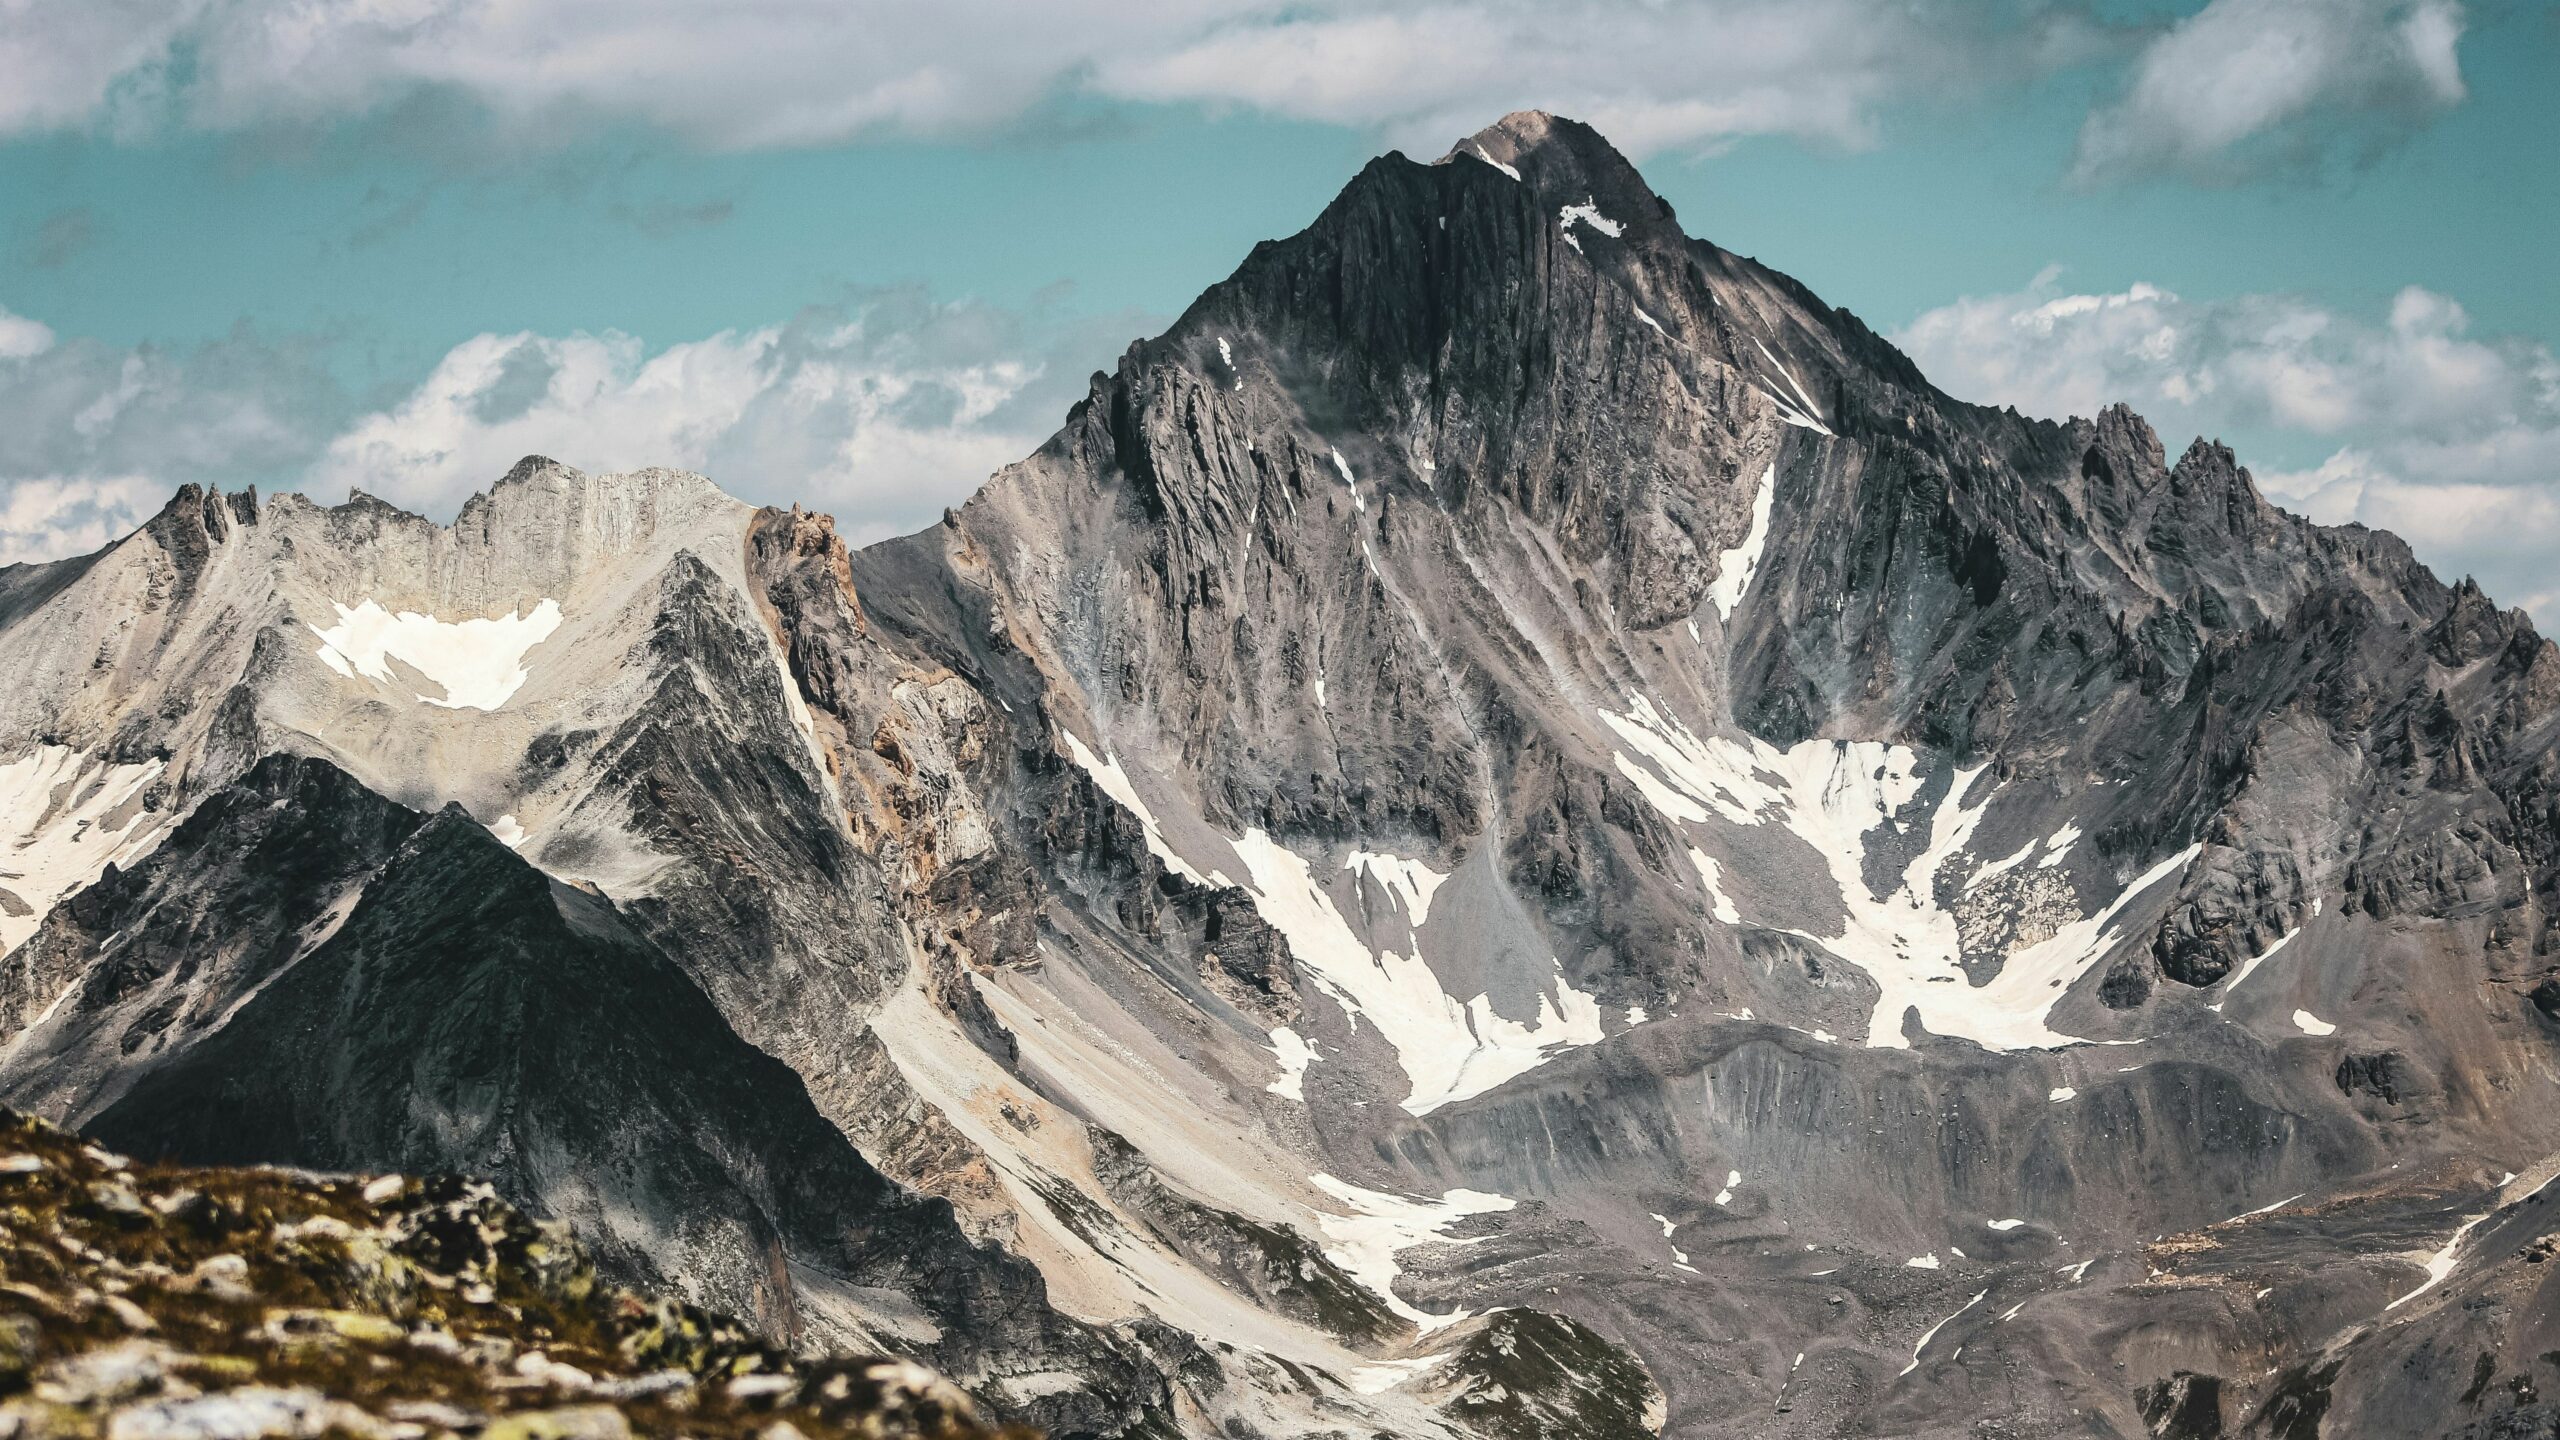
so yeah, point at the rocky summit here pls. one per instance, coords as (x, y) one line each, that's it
(1516, 829)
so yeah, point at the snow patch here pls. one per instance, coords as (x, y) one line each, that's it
(1832, 794)
(1478, 152)
(508, 832)
(1923, 1262)
(2000, 867)
(1735, 567)
(1114, 782)
(1711, 877)
(1294, 1053)
(2252, 963)
(1356, 502)
(2060, 1093)
(1800, 411)
(478, 663)
(1588, 213)
(1649, 320)
(1932, 1332)
(1636, 1015)
(2311, 1024)
(2440, 1264)
(1367, 1240)
(1409, 880)
(2006, 1225)
(1385, 1375)
(63, 817)
(1732, 1178)
(1450, 1050)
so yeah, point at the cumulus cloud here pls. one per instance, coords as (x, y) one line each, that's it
(794, 72)
(2449, 439)
(2247, 85)
(882, 412)
(21, 337)
(99, 435)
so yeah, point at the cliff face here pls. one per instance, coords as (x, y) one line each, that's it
(1517, 828)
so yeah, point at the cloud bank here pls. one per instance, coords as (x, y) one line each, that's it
(883, 411)
(2234, 90)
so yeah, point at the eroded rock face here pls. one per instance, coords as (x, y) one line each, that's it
(1515, 828)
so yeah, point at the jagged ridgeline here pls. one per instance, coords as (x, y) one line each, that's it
(1515, 830)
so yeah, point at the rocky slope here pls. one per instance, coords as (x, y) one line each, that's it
(1516, 829)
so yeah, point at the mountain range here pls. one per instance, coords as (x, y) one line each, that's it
(1516, 829)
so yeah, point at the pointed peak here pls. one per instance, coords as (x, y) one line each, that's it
(533, 467)
(1567, 163)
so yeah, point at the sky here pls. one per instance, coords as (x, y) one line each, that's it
(861, 256)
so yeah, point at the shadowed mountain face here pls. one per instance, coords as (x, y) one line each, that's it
(1515, 830)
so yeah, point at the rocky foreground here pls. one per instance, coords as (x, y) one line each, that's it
(143, 1302)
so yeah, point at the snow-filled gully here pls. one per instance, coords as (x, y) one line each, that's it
(1831, 794)
(1450, 1049)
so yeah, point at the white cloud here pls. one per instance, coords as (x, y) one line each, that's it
(99, 435)
(2246, 84)
(792, 72)
(883, 414)
(22, 338)
(47, 517)
(2450, 440)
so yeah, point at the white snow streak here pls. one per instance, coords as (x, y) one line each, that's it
(2440, 1264)
(2252, 963)
(1736, 566)
(1114, 782)
(1799, 411)
(1478, 152)
(1932, 1332)
(1450, 1049)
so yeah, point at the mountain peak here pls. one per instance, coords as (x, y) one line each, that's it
(1561, 157)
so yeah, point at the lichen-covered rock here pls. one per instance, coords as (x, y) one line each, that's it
(159, 1303)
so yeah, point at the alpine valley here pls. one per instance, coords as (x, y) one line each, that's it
(1516, 830)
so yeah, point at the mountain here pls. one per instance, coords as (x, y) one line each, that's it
(1516, 829)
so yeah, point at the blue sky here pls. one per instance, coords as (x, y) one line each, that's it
(860, 256)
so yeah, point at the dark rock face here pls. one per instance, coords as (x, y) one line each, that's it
(1515, 828)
